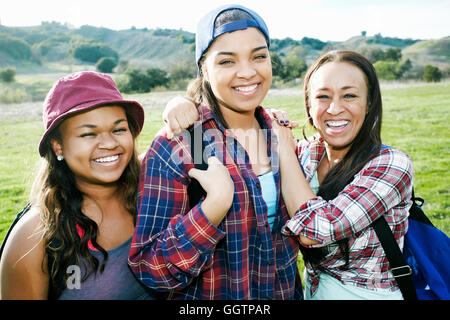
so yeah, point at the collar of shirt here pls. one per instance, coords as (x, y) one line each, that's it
(314, 150)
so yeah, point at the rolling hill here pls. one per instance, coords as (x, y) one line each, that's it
(48, 47)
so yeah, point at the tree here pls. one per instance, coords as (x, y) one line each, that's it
(93, 51)
(106, 64)
(386, 70)
(294, 65)
(182, 71)
(432, 74)
(314, 43)
(15, 47)
(404, 66)
(393, 54)
(277, 65)
(156, 78)
(7, 75)
(139, 81)
(373, 54)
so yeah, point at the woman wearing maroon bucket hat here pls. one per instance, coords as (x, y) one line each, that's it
(74, 241)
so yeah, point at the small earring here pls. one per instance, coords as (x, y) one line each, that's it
(60, 157)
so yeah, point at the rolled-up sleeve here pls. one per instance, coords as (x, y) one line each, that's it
(383, 184)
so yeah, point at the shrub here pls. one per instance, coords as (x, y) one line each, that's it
(432, 74)
(135, 80)
(7, 75)
(93, 51)
(277, 65)
(15, 47)
(10, 94)
(294, 66)
(106, 64)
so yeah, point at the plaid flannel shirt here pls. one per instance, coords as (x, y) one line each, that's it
(176, 249)
(382, 187)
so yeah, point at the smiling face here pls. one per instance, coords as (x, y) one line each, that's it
(338, 103)
(239, 70)
(97, 145)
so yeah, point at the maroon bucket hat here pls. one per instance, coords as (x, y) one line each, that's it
(81, 91)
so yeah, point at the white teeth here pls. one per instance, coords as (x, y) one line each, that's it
(337, 123)
(107, 159)
(246, 89)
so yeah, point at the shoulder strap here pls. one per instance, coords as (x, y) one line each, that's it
(53, 291)
(195, 190)
(400, 269)
(416, 212)
(18, 217)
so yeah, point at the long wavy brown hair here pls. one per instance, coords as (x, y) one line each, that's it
(56, 195)
(364, 147)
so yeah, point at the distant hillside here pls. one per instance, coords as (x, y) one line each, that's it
(434, 52)
(49, 47)
(53, 42)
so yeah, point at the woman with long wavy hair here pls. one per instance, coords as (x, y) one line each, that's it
(349, 180)
(74, 241)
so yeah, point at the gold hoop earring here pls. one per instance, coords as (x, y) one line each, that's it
(308, 120)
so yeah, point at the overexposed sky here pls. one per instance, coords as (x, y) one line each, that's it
(335, 20)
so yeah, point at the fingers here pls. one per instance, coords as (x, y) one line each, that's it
(281, 117)
(172, 127)
(180, 113)
(195, 173)
(213, 161)
(183, 122)
(294, 124)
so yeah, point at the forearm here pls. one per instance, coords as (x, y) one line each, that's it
(172, 258)
(214, 213)
(383, 185)
(295, 189)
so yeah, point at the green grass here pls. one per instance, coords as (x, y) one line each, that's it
(415, 121)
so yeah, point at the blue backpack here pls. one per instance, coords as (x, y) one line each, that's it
(422, 271)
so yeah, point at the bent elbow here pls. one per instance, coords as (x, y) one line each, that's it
(307, 241)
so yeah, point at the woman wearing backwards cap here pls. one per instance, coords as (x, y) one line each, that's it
(338, 182)
(83, 200)
(229, 245)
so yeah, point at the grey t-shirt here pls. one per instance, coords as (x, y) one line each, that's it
(116, 282)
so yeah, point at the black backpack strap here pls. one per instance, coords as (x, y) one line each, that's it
(195, 190)
(18, 217)
(416, 212)
(53, 291)
(400, 269)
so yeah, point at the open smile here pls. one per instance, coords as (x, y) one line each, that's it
(337, 124)
(107, 160)
(247, 90)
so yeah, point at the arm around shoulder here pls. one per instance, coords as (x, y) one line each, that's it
(22, 276)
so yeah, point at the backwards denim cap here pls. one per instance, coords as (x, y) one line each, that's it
(206, 33)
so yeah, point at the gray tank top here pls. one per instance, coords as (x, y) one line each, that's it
(116, 282)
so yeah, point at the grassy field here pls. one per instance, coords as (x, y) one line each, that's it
(415, 120)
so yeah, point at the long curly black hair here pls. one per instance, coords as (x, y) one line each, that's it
(59, 201)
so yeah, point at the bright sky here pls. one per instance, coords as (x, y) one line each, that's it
(335, 20)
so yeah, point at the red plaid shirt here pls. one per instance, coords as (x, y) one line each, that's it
(382, 187)
(176, 249)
